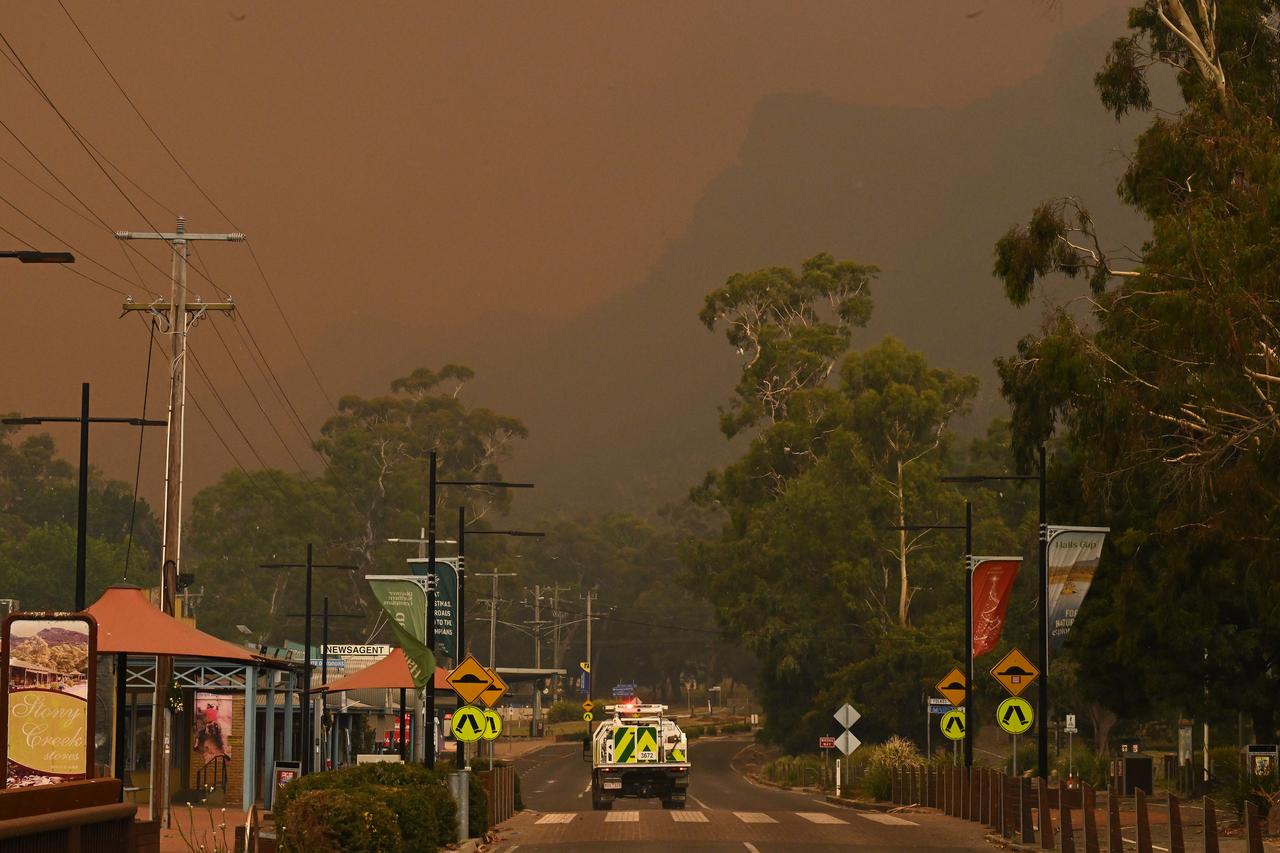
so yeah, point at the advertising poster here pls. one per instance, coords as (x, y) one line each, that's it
(993, 579)
(49, 680)
(1073, 558)
(212, 724)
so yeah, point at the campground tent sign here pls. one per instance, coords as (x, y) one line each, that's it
(48, 677)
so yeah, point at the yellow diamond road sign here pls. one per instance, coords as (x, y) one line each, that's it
(588, 706)
(952, 687)
(468, 724)
(469, 680)
(1015, 673)
(495, 691)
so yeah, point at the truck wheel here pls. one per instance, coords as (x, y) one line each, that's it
(598, 802)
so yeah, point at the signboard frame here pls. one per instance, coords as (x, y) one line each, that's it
(91, 681)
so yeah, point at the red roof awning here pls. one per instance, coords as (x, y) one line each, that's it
(129, 623)
(389, 673)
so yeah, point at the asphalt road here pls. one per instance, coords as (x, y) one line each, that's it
(725, 812)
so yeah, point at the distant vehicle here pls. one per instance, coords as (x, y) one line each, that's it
(638, 752)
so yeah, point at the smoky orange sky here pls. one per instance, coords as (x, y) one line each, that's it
(436, 165)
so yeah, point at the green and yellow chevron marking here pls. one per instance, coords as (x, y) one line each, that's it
(677, 754)
(624, 745)
(647, 743)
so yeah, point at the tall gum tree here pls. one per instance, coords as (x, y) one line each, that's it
(1165, 395)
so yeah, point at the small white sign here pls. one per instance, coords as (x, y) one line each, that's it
(1070, 727)
(354, 649)
(847, 716)
(847, 743)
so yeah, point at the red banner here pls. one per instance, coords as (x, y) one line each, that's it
(993, 579)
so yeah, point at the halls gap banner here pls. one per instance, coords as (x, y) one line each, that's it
(1073, 558)
(48, 676)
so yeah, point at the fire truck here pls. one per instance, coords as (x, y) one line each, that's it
(638, 752)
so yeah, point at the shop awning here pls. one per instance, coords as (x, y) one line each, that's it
(389, 673)
(128, 623)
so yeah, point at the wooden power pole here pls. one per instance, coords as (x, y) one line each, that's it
(176, 318)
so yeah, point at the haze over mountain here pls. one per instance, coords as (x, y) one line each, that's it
(621, 400)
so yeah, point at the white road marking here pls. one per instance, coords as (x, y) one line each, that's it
(689, 817)
(753, 817)
(751, 847)
(697, 801)
(556, 817)
(1153, 846)
(622, 817)
(820, 817)
(584, 791)
(552, 781)
(887, 819)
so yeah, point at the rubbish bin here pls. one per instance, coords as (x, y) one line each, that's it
(1137, 771)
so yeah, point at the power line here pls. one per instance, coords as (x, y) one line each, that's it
(186, 172)
(137, 474)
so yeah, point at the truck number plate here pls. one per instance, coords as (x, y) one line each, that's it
(612, 783)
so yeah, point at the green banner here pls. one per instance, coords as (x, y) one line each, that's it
(446, 627)
(405, 601)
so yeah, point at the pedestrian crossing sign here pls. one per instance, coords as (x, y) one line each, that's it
(1015, 715)
(952, 725)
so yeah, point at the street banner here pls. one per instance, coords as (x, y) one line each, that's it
(993, 579)
(1073, 558)
(446, 602)
(47, 676)
(404, 597)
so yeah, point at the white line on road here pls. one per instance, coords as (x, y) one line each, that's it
(751, 847)
(1153, 846)
(622, 817)
(584, 791)
(887, 819)
(698, 802)
(753, 817)
(556, 817)
(689, 817)
(820, 817)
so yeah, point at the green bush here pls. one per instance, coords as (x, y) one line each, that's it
(427, 813)
(711, 731)
(381, 773)
(335, 821)
(896, 753)
(795, 770)
(1089, 766)
(564, 711)
(691, 732)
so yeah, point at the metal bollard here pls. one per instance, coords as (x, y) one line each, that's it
(460, 788)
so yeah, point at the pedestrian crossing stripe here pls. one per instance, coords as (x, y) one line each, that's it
(556, 817)
(886, 819)
(689, 817)
(820, 817)
(624, 745)
(753, 817)
(622, 817)
(647, 743)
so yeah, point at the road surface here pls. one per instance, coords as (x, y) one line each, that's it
(725, 812)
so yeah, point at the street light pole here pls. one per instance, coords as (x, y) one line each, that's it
(32, 256)
(82, 501)
(1042, 723)
(310, 565)
(432, 483)
(324, 641)
(970, 706)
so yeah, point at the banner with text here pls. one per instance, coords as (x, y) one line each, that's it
(1073, 558)
(993, 579)
(446, 627)
(49, 673)
(404, 597)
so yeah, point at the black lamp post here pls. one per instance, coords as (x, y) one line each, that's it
(1042, 721)
(462, 599)
(432, 482)
(970, 705)
(31, 256)
(324, 638)
(309, 565)
(82, 512)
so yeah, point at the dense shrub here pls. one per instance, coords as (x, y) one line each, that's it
(564, 711)
(1088, 766)
(896, 753)
(691, 732)
(338, 821)
(427, 815)
(795, 770)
